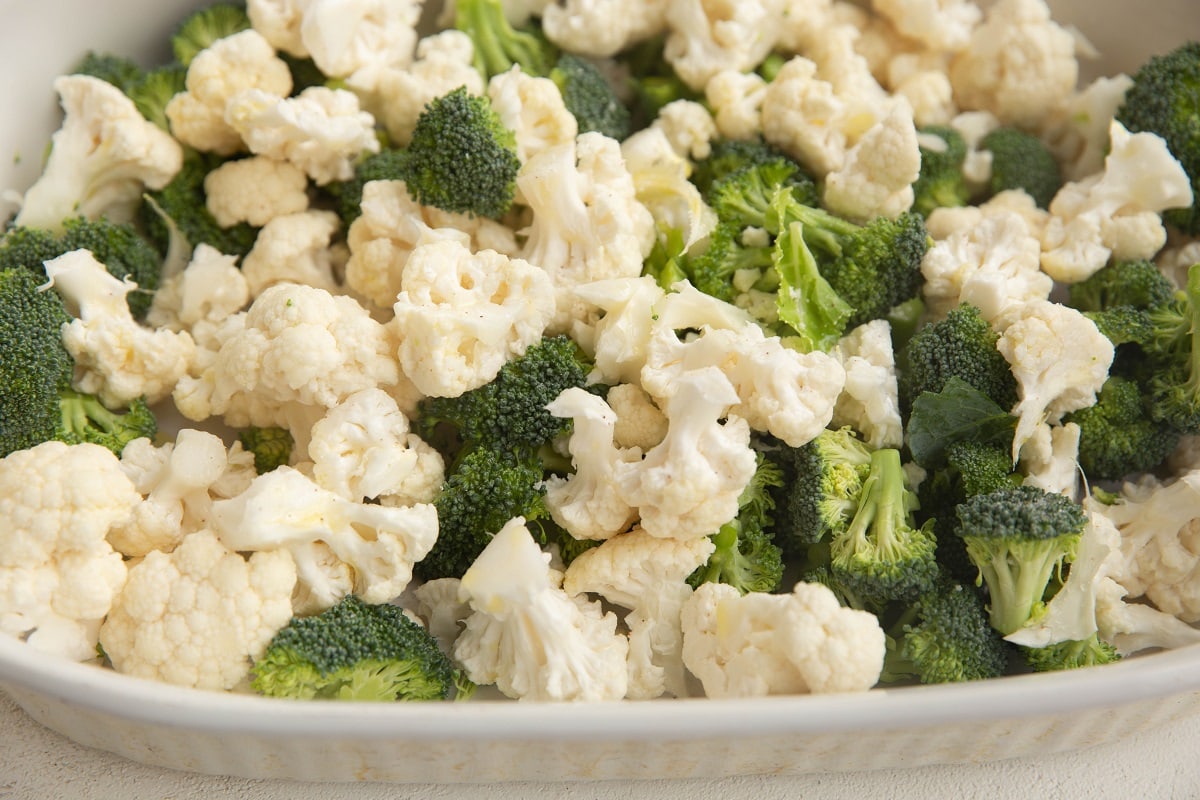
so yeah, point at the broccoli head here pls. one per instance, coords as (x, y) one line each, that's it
(1117, 435)
(1022, 161)
(119, 71)
(462, 158)
(1018, 538)
(589, 96)
(156, 88)
(940, 183)
(202, 28)
(1135, 283)
(1071, 654)
(357, 651)
(727, 156)
(272, 447)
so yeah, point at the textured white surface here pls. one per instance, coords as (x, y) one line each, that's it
(1159, 764)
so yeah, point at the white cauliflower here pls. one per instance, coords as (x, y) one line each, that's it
(622, 335)
(462, 315)
(707, 36)
(533, 109)
(1115, 213)
(278, 21)
(869, 403)
(1050, 459)
(363, 449)
(115, 357)
(588, 501)
(255, 190)
(1019, 64)
(1175, 262)
(763, 644)
(736, 99)
(640, 423)
(101, 160)
(344, 36)
(944, 25)
(599, 27)
(376, 544)
(199, 615)
(688, 485)
(58, 573)
(922, 81)
(437, 604)
(241, 62)
(1077, 133)
(876, 178)
(209, 290)
(660, 177)
(688, 126)
(293, 248)
(648, 576)
(322, 131)
(1060, 360)
(526, 636)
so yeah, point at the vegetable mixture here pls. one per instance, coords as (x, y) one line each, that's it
(603, 350)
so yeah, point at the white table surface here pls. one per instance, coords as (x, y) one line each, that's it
(1161, 764)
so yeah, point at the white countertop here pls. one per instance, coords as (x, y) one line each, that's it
(1159, 765)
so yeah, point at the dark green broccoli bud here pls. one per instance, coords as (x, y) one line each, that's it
(1018, 538)
(728, 156)
(498, 46)
(1140, 284)
(1174, 359)
(821, 483)
(183, 202)
(941, 183)
(119, 71)
(509, 413)
(881, 556)
(202, 28)
(589, 96)
(744, 197)
(356, 651)
(963, 345)
(272, 447)
(746, 556)
(1116, 434)
(386, 165)
(461, 158)
(1071, 654)
(1123, 325)
(1165, 100)
(85, 419)
(484, 489)
(1021, 160)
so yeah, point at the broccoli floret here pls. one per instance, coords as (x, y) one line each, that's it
(183, 202)
(652, 81)
(1071, 654)
(1117, 435)
(941, 183)
(201, 28)
(962, 345)
(1021, 160)
(589, 96)
(1138, 283)
(386, 165)
(85, 419)
(746, 556)
(461, 158)
(1165, 100)
(728, 156)
(119, 71)
(357, 651)
(745, 196)
(272, 447)
(881, 555)
(1017, 538)
(509, 413)
(714, 269)
(945, 637)
(1174, 356)
(498, 46)
(821, 483)
(156, 88)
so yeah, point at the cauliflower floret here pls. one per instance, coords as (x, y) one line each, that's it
(102, 158)
(255, 190)
(533, 109)
(1176, 261)
(174, 480)
(396, 96)
(660, 178)
(527, 636)
(294, 248)
(640, 423)
(1077, 133)
(1050, 459)
(200, 615)
(870, 403)
(58, 573)
(278, 21)
(646, 575)
(1019, 64)
(437, 604)
(462, 315)
(688, 486)
(241, 62)
(343, 36)
(322, 131)
(876, 178)
(588, 502)
(688, 127)
(363, 449)
(377, 544)
(598, 27)
(707, 36)
(736, 99)
(209, 290)
(920, 78)
(622, 335)
(1060, 360)
(1115, 214)
(762, 644)
(115, 357)
(938, 24)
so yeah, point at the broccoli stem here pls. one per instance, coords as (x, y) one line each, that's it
(79, 412)
(1016, 576)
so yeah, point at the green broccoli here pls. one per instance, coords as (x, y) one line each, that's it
(183, 202)
(356, 651)
(746, 556)
(746, 196)
(156, 88)
(806, 302)
(85, 419)
(386, 165)
(1174, 359)
(1018, 538)
(272, 447)
(498, 46)
(201, 28)
(727, 156)
(1071, 654)
(941, 183)
(1136, 283)
(1021, 160)
(821, 483)
(958, 413)
(724, 258)
(961, 345)
(119, 71)
(589, 96)
(881, 555)
(461, 158)
(1165, 100)
(667, 262)
(1117, 435)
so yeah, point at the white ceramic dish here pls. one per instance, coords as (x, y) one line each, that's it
(485, 741)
